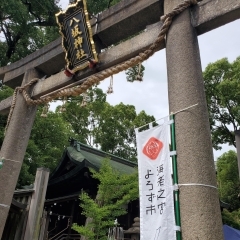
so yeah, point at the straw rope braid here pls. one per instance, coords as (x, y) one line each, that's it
(20, 90)
(96, 78)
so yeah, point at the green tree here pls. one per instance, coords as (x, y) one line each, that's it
(83, 112)
(115, 190)
(48, 138)
(228, 179)
(222, 86)
(26, 25)
(110, 128)
(96, 6)
(229, 188)
(231, 218)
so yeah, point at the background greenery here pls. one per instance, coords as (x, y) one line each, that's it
(222, 87)
(115, 191)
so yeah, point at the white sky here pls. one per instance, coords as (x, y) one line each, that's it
(151, 94)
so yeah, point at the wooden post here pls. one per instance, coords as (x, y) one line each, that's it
(44, 236)
(14, 147)
(71, 220)
(43, 226)
(37, 204)
(21, 225)
(199, 204)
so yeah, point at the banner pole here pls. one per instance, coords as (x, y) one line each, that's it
(175, 178)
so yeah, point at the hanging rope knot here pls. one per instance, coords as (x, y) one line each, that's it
(23, 91)
(85, 100)
(139, 76)
(45, 110)
(110, 88)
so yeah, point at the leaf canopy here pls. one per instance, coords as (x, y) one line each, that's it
(222, 86)
(101, 125)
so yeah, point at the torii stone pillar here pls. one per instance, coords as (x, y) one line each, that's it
(14, 147)
(199, 205)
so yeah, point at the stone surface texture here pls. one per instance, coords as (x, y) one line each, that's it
(14, 147)
(199, 205)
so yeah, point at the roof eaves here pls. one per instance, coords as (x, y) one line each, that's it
(104, 154)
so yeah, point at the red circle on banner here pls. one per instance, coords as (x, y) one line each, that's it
(152, 148)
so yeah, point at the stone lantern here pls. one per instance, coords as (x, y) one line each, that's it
(134, 231)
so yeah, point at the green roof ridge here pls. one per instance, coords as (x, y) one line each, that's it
(114, 157)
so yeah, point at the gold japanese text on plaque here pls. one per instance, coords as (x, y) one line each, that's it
(76, 32)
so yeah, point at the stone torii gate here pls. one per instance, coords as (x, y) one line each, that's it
(200, 210)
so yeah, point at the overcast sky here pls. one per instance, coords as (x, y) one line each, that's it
(151, 94)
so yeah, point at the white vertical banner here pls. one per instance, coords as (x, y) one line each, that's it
(157, 221)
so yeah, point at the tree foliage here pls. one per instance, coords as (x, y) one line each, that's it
(101, 125)
(48, 138)
(115, 190)
(229, 188)
(26, 25)
(228, 179)
(231, 218)
(222, 86)
(97, 6)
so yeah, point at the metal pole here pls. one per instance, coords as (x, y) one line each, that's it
(175, 179)
(199, 200)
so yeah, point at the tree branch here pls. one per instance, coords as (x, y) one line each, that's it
(42, 24)
(12, 45)
(231, 137)
(29, 5)
(6, 33)
(232, 117)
